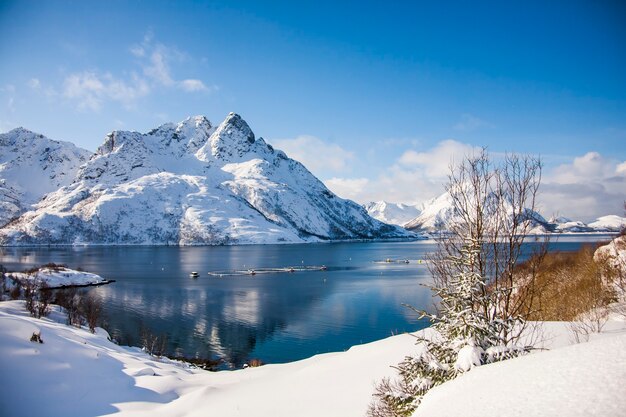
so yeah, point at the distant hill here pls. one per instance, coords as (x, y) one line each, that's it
(435, 214)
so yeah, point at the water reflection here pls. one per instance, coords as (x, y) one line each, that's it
(275, 317)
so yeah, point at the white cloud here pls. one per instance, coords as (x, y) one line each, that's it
(155, 58)
(351, 188)
(193, 85)
(590, 186)
(138, 51)
(436, 161)
(590, 166)
(158, 68)
(414, 178)
(90, 89)
(469, 122)
(318, 156)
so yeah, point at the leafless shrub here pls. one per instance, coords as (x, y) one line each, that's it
(70, 300)
(91, 309)
(44, 298)
(153, 344)
(49, 265)
(29, 297)
(587, 323)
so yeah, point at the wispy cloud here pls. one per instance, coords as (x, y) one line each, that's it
(90, 89)
(192, 85)
(351, 188)
(470, 122)
(413, 178)
(591, 185)
(156, 61)
(319, 156)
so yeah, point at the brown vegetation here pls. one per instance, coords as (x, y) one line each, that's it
(50, 265)
(562, 285)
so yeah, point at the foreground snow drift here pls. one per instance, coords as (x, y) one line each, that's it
(78, 373)
(578, 380)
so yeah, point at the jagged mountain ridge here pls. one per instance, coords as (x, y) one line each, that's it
(32, 165)
(193, 183)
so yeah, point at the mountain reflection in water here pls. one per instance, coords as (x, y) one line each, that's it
(276, 317)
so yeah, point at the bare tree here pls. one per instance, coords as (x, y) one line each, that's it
(494, 205)
(482, 303)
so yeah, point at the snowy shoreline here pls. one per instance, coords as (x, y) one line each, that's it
(312, 242)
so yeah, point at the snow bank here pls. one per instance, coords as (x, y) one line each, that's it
(59, 277)
(75, 372)
(578, 380)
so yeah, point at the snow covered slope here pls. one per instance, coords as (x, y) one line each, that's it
(31, 166)
(76, 373)
(609, 223)
(439, 212)
(191, 183)
(392, 213)
(435, 215)
(578, 380)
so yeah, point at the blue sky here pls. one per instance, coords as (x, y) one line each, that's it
(375, 99)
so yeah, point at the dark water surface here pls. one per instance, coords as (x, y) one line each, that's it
(277, 317)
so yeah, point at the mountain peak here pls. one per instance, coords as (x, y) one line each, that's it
(195, 122)
(232, 138)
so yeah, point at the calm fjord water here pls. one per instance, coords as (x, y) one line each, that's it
(277, 317)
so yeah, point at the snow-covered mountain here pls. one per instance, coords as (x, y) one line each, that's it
(434, 216)
(392, 213)
(31, 165)
(565, 225)
(610, 223)
(438, 212)
(192, 183)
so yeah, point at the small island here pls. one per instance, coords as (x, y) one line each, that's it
(55, 276)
